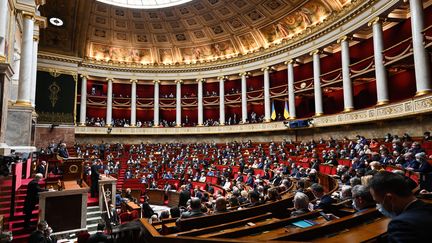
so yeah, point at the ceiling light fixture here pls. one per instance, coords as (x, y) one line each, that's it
(56, 21)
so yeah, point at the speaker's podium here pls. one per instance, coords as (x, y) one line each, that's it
(64, 206)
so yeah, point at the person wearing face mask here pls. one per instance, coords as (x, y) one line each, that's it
(361, 198)
(411, 217)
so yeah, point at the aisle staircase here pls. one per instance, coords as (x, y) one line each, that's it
(93, 216)
(121, 175)
(16, 225)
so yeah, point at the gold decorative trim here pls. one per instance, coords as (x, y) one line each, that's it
(343, 38)
(201, 80)
(28, 15)
(178, 81)
(375, 20)
(156, 81)
(292, 118)
(317, 51)
(382, 102)
(2, 59)
(319, 114)
(423, 92)
(178, 125)
(23, 103)
(82, 125)
(133, 81)
(349, 109)
(267, 120)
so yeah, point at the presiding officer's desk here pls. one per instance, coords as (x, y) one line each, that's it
(65, 210)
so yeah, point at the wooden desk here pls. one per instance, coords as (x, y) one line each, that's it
(156, 197)
(360, 233)
(70, 204)
(71, 185)
(264, 235)
(131, 206)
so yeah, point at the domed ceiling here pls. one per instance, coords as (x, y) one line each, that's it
(197, 31)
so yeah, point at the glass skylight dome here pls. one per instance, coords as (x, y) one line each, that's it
(145, 4)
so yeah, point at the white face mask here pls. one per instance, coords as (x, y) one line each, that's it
(354, 205)
(385, 212)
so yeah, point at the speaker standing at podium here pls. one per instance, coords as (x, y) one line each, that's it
(32, 198)
(94, 180)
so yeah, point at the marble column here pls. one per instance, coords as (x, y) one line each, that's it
(267, 108)
(83, 103)
(244, 97)
(109, 103)
(133, 102)
(4, 14)
(178, 103)
(291, 94)
(221, 100)
(34, 70)
(25, 75)
(346, 76)
(380, 70)
(200, 102)
(319, 110)
(421, 57)
(156, 103)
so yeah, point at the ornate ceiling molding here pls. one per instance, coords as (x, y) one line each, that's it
(349, 19)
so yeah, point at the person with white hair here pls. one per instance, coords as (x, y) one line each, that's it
(301, 204)
(32, 198)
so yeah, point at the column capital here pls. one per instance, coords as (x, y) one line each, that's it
(244, 74)
(376, 20)
(265, 69)
(290, 61)
(343, 38)
(28, 15)
(36, 38)
(156, 81)
(178, 81)
(222, 78)
(84, 76)
(200, 80)
(41, 22)
(317, 51)
(133, 81)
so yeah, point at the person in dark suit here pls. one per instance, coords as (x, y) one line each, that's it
(32, 198)
(411, 217)
(42, 234)
(324, 201)
(41, 168)
(184, 196)
(99, 236)
(102, 150)
(94, 189)
(63, 152)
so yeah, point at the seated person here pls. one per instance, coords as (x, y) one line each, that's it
(361, 198)
(42, 233)
(254, 198)
(100, 235)
(324, 201)
(301, 204)
(194, 210)
(220, 205)
(63, 152)
(410, 217)
(202, 178)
